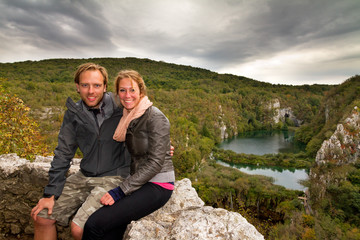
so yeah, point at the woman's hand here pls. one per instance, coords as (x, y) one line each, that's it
(107, 199)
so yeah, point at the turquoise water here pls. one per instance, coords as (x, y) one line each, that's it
(289, 178)
(265, 142)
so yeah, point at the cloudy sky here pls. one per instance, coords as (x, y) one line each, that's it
(278, 41)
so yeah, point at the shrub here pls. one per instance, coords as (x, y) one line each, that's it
(19, 133)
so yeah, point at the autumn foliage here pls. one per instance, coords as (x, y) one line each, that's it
(19, 133)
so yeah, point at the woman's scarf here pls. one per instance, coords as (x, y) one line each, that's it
(128, 116)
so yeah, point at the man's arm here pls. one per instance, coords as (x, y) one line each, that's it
(64, 152)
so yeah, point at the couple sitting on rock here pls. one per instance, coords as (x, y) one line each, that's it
(126, 171)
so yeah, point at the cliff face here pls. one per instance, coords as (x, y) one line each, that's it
(280, 114)
(183, 217)
(342, 148)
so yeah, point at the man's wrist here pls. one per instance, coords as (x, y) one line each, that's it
(46, 195)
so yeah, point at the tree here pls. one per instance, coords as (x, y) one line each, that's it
(18, 131)
(185, 163)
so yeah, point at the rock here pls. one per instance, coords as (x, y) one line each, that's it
(280, 114)
(198, 223)
(15, 229)
(183, 217)
(343, 146)
(222, 126)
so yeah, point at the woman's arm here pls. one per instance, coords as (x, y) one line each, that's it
(158, 130)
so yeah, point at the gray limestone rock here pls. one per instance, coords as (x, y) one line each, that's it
(183, 217)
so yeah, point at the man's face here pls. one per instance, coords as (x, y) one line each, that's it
(91, 87)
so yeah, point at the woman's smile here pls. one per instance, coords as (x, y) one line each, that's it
(129, 93)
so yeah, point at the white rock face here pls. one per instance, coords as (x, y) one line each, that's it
(185, 217)
(11, 162)
(343, 146)
(280, 114)
(223, 133)
(275, 104)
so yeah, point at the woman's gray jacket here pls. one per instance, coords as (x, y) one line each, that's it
(102, 156)
(148, 141)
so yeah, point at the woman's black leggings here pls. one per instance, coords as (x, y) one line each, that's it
(109, 222)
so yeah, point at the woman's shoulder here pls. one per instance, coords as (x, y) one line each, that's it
(155, 110)
(156, 113)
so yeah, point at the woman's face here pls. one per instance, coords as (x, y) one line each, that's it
(129, 93)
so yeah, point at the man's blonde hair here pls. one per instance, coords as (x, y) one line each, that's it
(92, 67)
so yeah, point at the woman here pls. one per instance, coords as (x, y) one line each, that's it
(146, 131)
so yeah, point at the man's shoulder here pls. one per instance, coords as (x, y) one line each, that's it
(71, 104)
(111, 98)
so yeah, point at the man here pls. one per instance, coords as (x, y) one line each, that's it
(88, 124)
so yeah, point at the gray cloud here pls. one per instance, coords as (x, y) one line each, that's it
(278, 41)
(56, 25)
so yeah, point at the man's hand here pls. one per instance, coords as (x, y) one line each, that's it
(43, 203)
(107, 199)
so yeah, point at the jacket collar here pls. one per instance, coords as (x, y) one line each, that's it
(109, 106)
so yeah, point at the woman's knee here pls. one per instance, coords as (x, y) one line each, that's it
(93, 228)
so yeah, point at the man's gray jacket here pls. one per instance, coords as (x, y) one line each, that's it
(102, 156)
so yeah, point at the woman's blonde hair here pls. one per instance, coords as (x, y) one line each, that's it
(133, 75)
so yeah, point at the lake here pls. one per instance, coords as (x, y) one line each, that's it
(263, 142)
(289, 178)
(268, 142)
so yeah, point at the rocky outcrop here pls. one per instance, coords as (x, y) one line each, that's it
(183, 217)
(343, 146)
(222, 126)
(226, 124)
(280, 114)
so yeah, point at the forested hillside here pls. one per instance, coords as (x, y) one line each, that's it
(193, 99)
(200, 104)
(334, 182)
(336, 105)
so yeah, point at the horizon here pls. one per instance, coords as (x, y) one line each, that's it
(274, 41)
(39, 60)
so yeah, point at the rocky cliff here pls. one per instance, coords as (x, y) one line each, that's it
(342, 148)
(280, 114)
(183, 217)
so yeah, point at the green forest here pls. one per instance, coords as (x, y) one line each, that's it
(199, 103)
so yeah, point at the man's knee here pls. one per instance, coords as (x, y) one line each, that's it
(44, 222)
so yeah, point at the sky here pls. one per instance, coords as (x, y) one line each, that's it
(292, 42)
